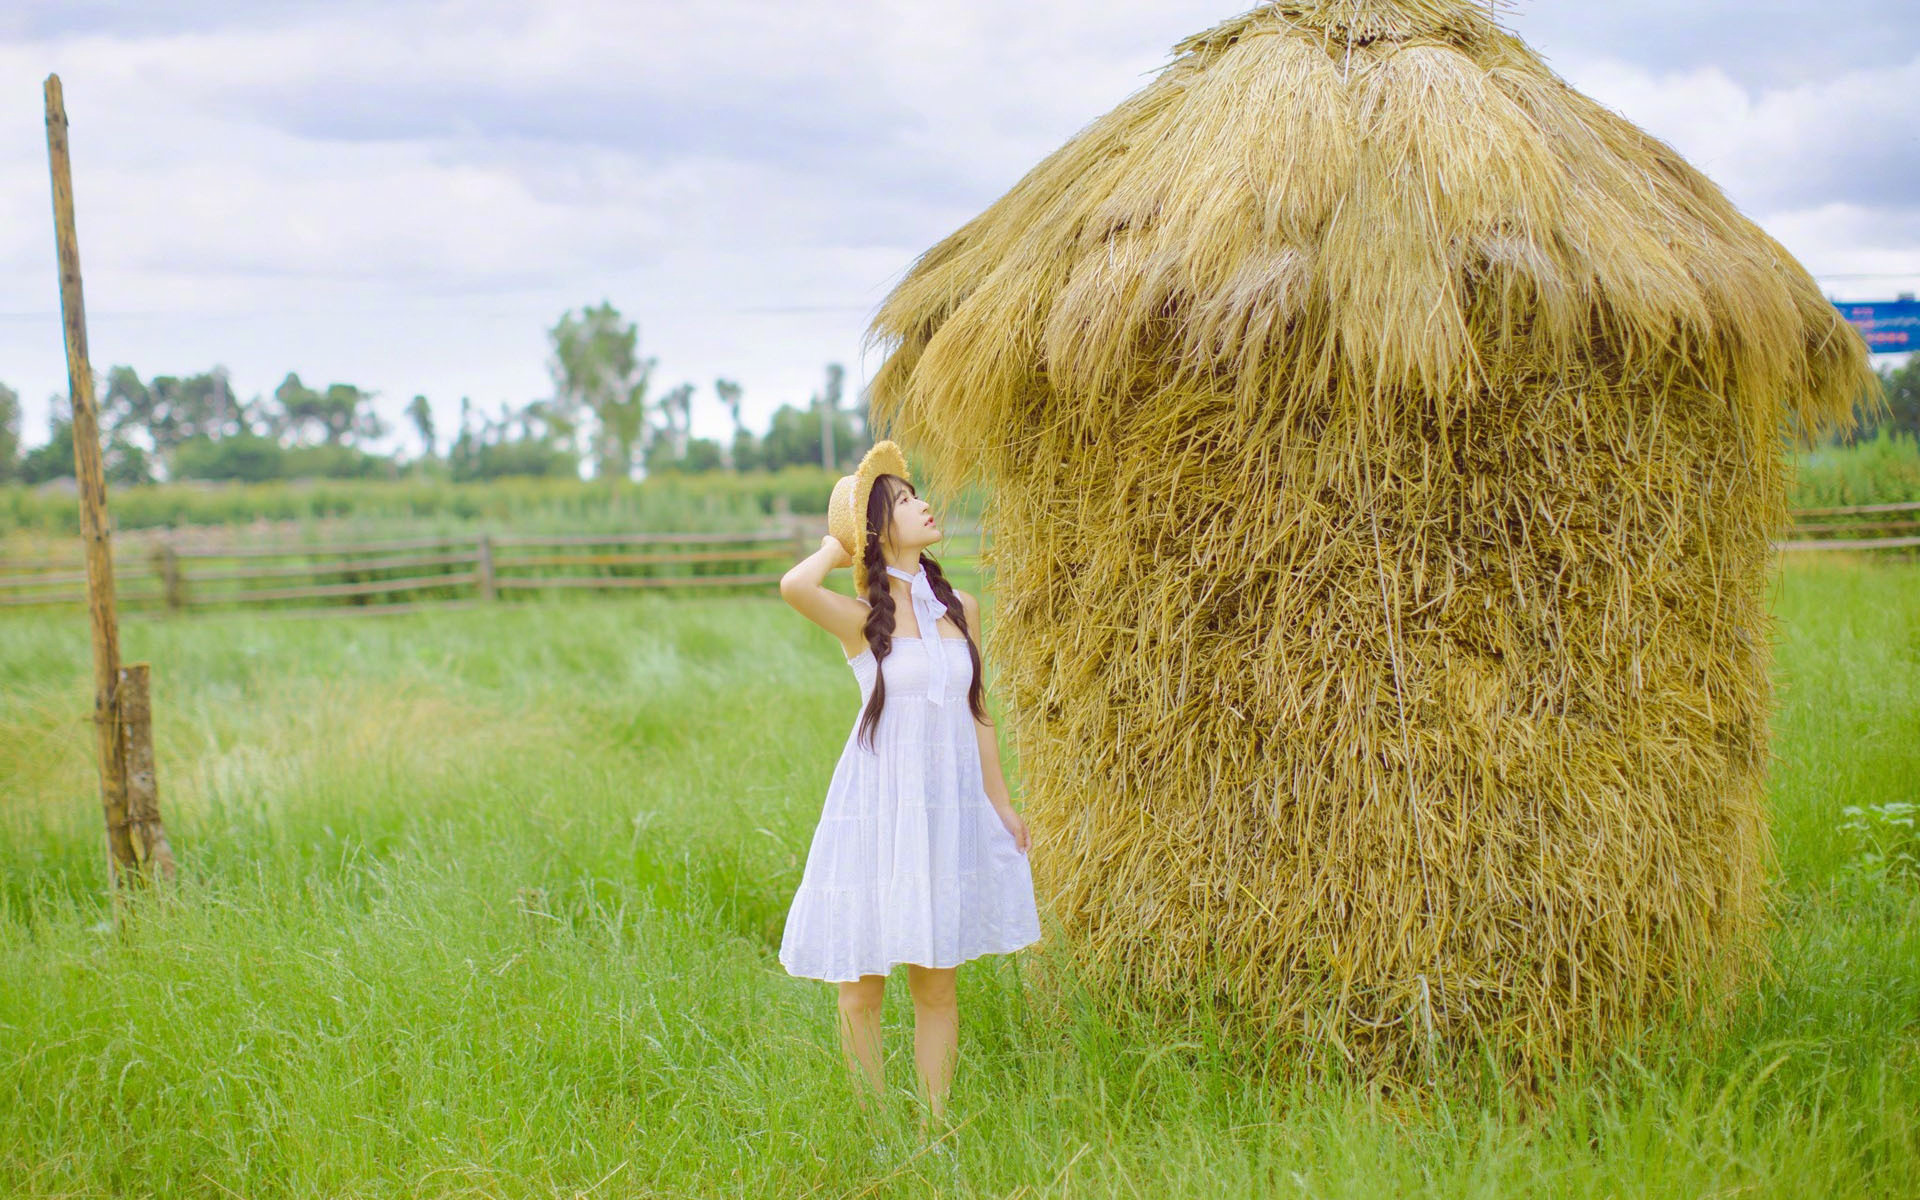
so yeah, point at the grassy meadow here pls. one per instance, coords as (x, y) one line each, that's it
(485, 903)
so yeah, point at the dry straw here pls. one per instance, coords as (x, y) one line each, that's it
(1384, 442)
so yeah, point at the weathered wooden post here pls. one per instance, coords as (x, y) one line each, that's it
(805, 541)
(143, 783)
(166, 563)
(123, 860)
(483, 566)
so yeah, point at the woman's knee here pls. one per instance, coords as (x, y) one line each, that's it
(862, 997)
(933, 987)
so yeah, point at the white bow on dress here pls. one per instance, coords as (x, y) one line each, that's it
(928, 609)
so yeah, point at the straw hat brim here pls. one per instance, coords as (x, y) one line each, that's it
(847, 510)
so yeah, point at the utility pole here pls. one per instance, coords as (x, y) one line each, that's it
(829, 407)
(134, 839)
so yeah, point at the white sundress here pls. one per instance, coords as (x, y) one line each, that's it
(910, 863)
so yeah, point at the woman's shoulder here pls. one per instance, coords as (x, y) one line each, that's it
(851, 652)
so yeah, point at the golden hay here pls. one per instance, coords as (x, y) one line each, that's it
(1385, 442)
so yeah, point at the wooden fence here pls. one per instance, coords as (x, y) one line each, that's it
(169, 574)
(1860, 527)
(174, 572)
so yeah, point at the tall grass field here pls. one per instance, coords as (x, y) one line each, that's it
(486, 903)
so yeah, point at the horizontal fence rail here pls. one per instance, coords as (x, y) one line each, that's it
(1904, 506)
(160, 575)
(1856, 527)
(161, 571)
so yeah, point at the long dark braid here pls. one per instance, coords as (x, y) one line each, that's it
(880, 610)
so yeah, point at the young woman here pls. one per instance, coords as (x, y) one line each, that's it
(919, 856)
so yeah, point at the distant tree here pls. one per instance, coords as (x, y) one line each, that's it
(127, 464)
(124, 460)
(522, 456)
(257, 416)
(248, 457)
(622, 428)
(742, 450)
(1902, 387)
(703, 454)
(745, 453)
(336, 462)
(465, 446)
(669, 442)
(53, 459)
(190, 406)
(421, 414)
(793, 438)
(521, 442)
(355, 421)
(9, 434)
(729, 394)
(597, 370)
(343, 415)
(527, 457)
(293, 409)
(168, 411)
(253, 458)
(127, 406)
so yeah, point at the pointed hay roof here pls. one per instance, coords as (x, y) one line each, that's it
(1347, 197)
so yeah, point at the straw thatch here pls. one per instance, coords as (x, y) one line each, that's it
(1384, 443)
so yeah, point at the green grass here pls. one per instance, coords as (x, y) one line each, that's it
(485, 903)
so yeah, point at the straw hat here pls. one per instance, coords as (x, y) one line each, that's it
(847, 509)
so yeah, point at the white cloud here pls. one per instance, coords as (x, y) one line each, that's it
(1829, 168)
(1855, 135)
(406, 195)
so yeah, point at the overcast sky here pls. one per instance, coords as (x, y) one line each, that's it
(406, 195)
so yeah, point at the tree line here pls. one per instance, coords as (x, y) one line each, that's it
(604, 417)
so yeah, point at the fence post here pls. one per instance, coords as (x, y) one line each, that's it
(96, 531)
(167, 562)
(802, 547)
(143, 788)
(483, 566)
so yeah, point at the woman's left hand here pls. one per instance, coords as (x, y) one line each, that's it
(1017, 826)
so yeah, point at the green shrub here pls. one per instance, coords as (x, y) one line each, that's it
(1885, 470)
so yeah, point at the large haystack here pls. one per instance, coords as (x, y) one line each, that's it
(1385, 442)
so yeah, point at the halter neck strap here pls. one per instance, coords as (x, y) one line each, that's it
(928, 610)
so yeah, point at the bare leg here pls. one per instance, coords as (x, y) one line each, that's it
(936, 1034)
(860, 1036)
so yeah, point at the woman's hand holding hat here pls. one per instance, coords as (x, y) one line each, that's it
(840, 557)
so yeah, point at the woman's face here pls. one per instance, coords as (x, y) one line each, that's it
(912, 525)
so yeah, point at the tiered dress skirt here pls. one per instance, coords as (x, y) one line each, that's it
(909, 863)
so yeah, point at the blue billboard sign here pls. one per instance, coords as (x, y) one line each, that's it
(1890, 326)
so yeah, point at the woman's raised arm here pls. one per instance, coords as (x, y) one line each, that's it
(802, 586)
